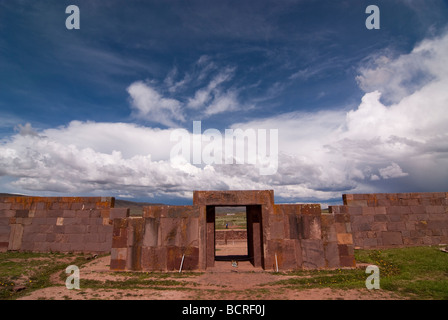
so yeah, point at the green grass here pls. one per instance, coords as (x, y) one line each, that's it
(31, 270)
(131, 283)
(338, 278)
(416, 273)
(237, 219)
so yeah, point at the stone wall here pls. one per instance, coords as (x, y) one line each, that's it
(396, 219)
(158, 240)
(230, 234)
(283, 236)
(302, 237)
(287, 236)
(58, 224)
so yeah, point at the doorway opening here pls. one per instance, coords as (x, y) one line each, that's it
(249, 247)
(231, 241)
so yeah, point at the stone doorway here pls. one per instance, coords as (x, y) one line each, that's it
(231, 234)
(254, 237)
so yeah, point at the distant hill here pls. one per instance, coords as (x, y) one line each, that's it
(11, 195)
(136, 208)
(119, 203)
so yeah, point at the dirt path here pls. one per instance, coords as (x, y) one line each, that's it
(223, 282)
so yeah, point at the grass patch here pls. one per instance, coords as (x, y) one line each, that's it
(418, 272)
(236, 220)
(133, 283)
(338, 278)
(158, 275)
(31, 271)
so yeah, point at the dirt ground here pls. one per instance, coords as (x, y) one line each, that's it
(223, 282)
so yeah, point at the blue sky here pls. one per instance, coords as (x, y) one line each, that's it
(89, 111)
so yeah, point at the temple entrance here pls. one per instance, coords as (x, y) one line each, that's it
(231, 234)
(245, 219)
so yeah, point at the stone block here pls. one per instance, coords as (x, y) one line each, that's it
(310, 227)
(41, 246)
(118, 213)
(380, 210)
(347, 261)
(311, 209)
(118, 253)
(75, 229)
(105, 246)
(331, 255)
(69, 213)
(357, 203)
(75, 238)
(4, 246)
(51, 237)
(170, 231)
(360, 196)
(312, 254)
(4, 222)
(94, 214)
(368, 210)
(391, 238)
(342, 218)
(345, 238)
(7, 213)
(435, 209)
(77, 246)
(22, 213)
(380, 218)
(417, 209)
(54, 213)
(396, 226)
(340, 227)
(347, 198)
(83, 213)
(120, 241)
(191, 259)
(15, 237)
(190, 231)
(154, 258)
(117, 265)
(378, 226)
(92, 237)
(438, 217)
(18, 206)
(4, 206)
(354, 210)
(76, 206)
(234, 197)
(383, 203)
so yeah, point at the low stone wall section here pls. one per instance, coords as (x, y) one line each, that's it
(229, 234)
(58, 224)
(396, 219)
(158, 240)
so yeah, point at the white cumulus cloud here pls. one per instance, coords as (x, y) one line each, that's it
(321, 154)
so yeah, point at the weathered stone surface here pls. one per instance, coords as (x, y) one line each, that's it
(392, 238)
(345, 238)
(312, 254)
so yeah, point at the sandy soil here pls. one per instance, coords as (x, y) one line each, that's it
(224, 282)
